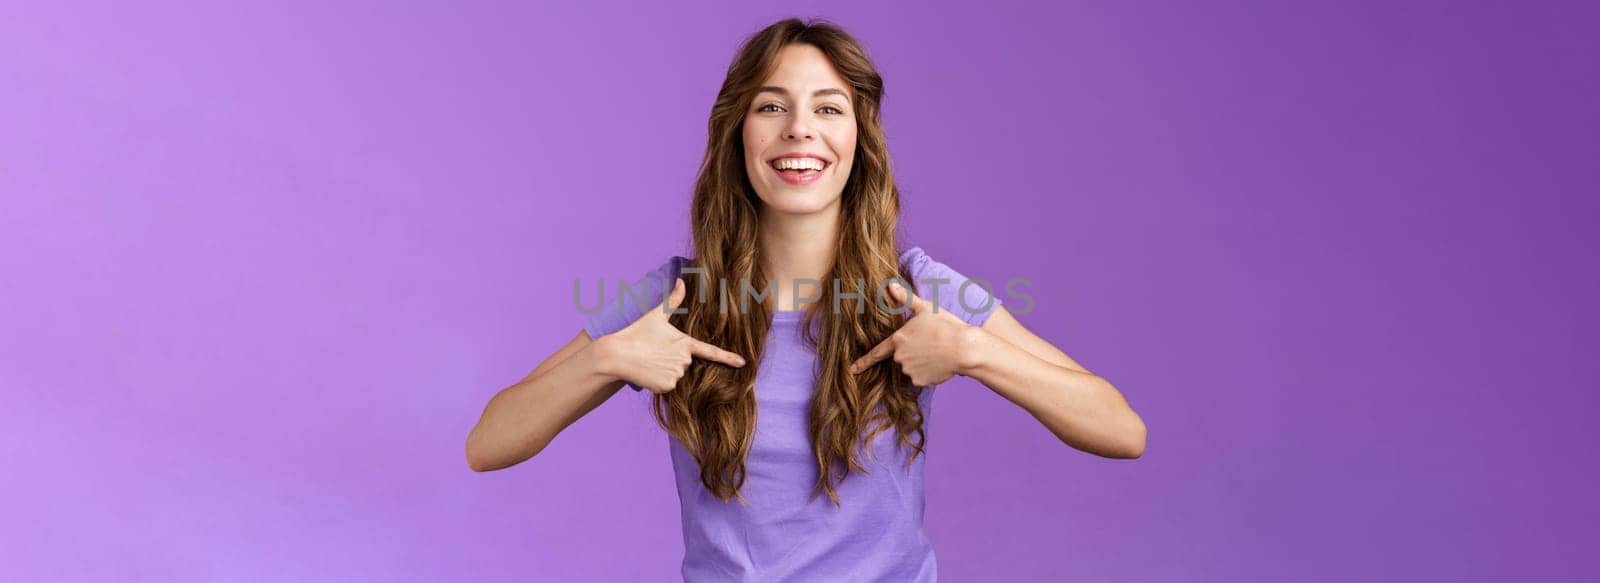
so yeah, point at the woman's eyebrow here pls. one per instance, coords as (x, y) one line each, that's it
(817, 93)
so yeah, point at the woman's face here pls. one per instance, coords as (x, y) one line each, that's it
(803, 110)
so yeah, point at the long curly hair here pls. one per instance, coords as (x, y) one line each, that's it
(712, 412)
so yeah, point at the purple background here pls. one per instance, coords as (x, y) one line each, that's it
(263, 266)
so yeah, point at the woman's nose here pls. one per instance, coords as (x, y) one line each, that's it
(797, 130)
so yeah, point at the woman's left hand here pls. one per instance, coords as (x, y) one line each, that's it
(931, 347)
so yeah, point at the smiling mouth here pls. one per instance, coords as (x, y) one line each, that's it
(799, 166)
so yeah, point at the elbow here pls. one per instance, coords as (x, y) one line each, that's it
(478, 464)
(482, 458)
(1134, 439)
(479, 460)
(1124, 443)
(1132, 452)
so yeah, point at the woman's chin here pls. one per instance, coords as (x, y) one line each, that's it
(800, 201)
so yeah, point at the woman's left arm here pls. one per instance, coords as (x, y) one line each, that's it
(1082, 409)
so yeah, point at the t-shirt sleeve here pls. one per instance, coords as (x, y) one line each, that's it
(628, 301)
(971, 299)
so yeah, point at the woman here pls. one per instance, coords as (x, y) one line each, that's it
(772, 402)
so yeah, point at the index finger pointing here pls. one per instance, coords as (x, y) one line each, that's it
(878, 353)
(706, 351)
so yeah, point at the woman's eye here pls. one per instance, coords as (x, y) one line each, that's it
(774, 107)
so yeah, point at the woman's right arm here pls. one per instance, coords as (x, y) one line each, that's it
(650, 353)
(523, 418)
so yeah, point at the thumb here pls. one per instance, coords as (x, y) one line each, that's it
(908, 299)
(898, 293)
(672, 301)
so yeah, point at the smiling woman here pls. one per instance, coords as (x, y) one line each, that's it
(797, 435)
(805, 98)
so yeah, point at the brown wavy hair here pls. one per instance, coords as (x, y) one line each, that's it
(712, 412)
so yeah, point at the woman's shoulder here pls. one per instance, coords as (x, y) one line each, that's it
(923, 266)
(915, 257)
(624, 298)
(672, 267)
(970, 298)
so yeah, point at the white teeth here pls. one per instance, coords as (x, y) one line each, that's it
(797, 164)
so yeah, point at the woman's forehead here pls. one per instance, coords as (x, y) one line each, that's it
(805, 70)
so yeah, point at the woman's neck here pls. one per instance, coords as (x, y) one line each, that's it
(798, 247)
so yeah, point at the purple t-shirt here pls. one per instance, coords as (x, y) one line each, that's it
(783, 534)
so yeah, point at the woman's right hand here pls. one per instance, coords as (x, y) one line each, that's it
(653, 354)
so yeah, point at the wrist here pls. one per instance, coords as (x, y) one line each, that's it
(606, 355)
(976, 348)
